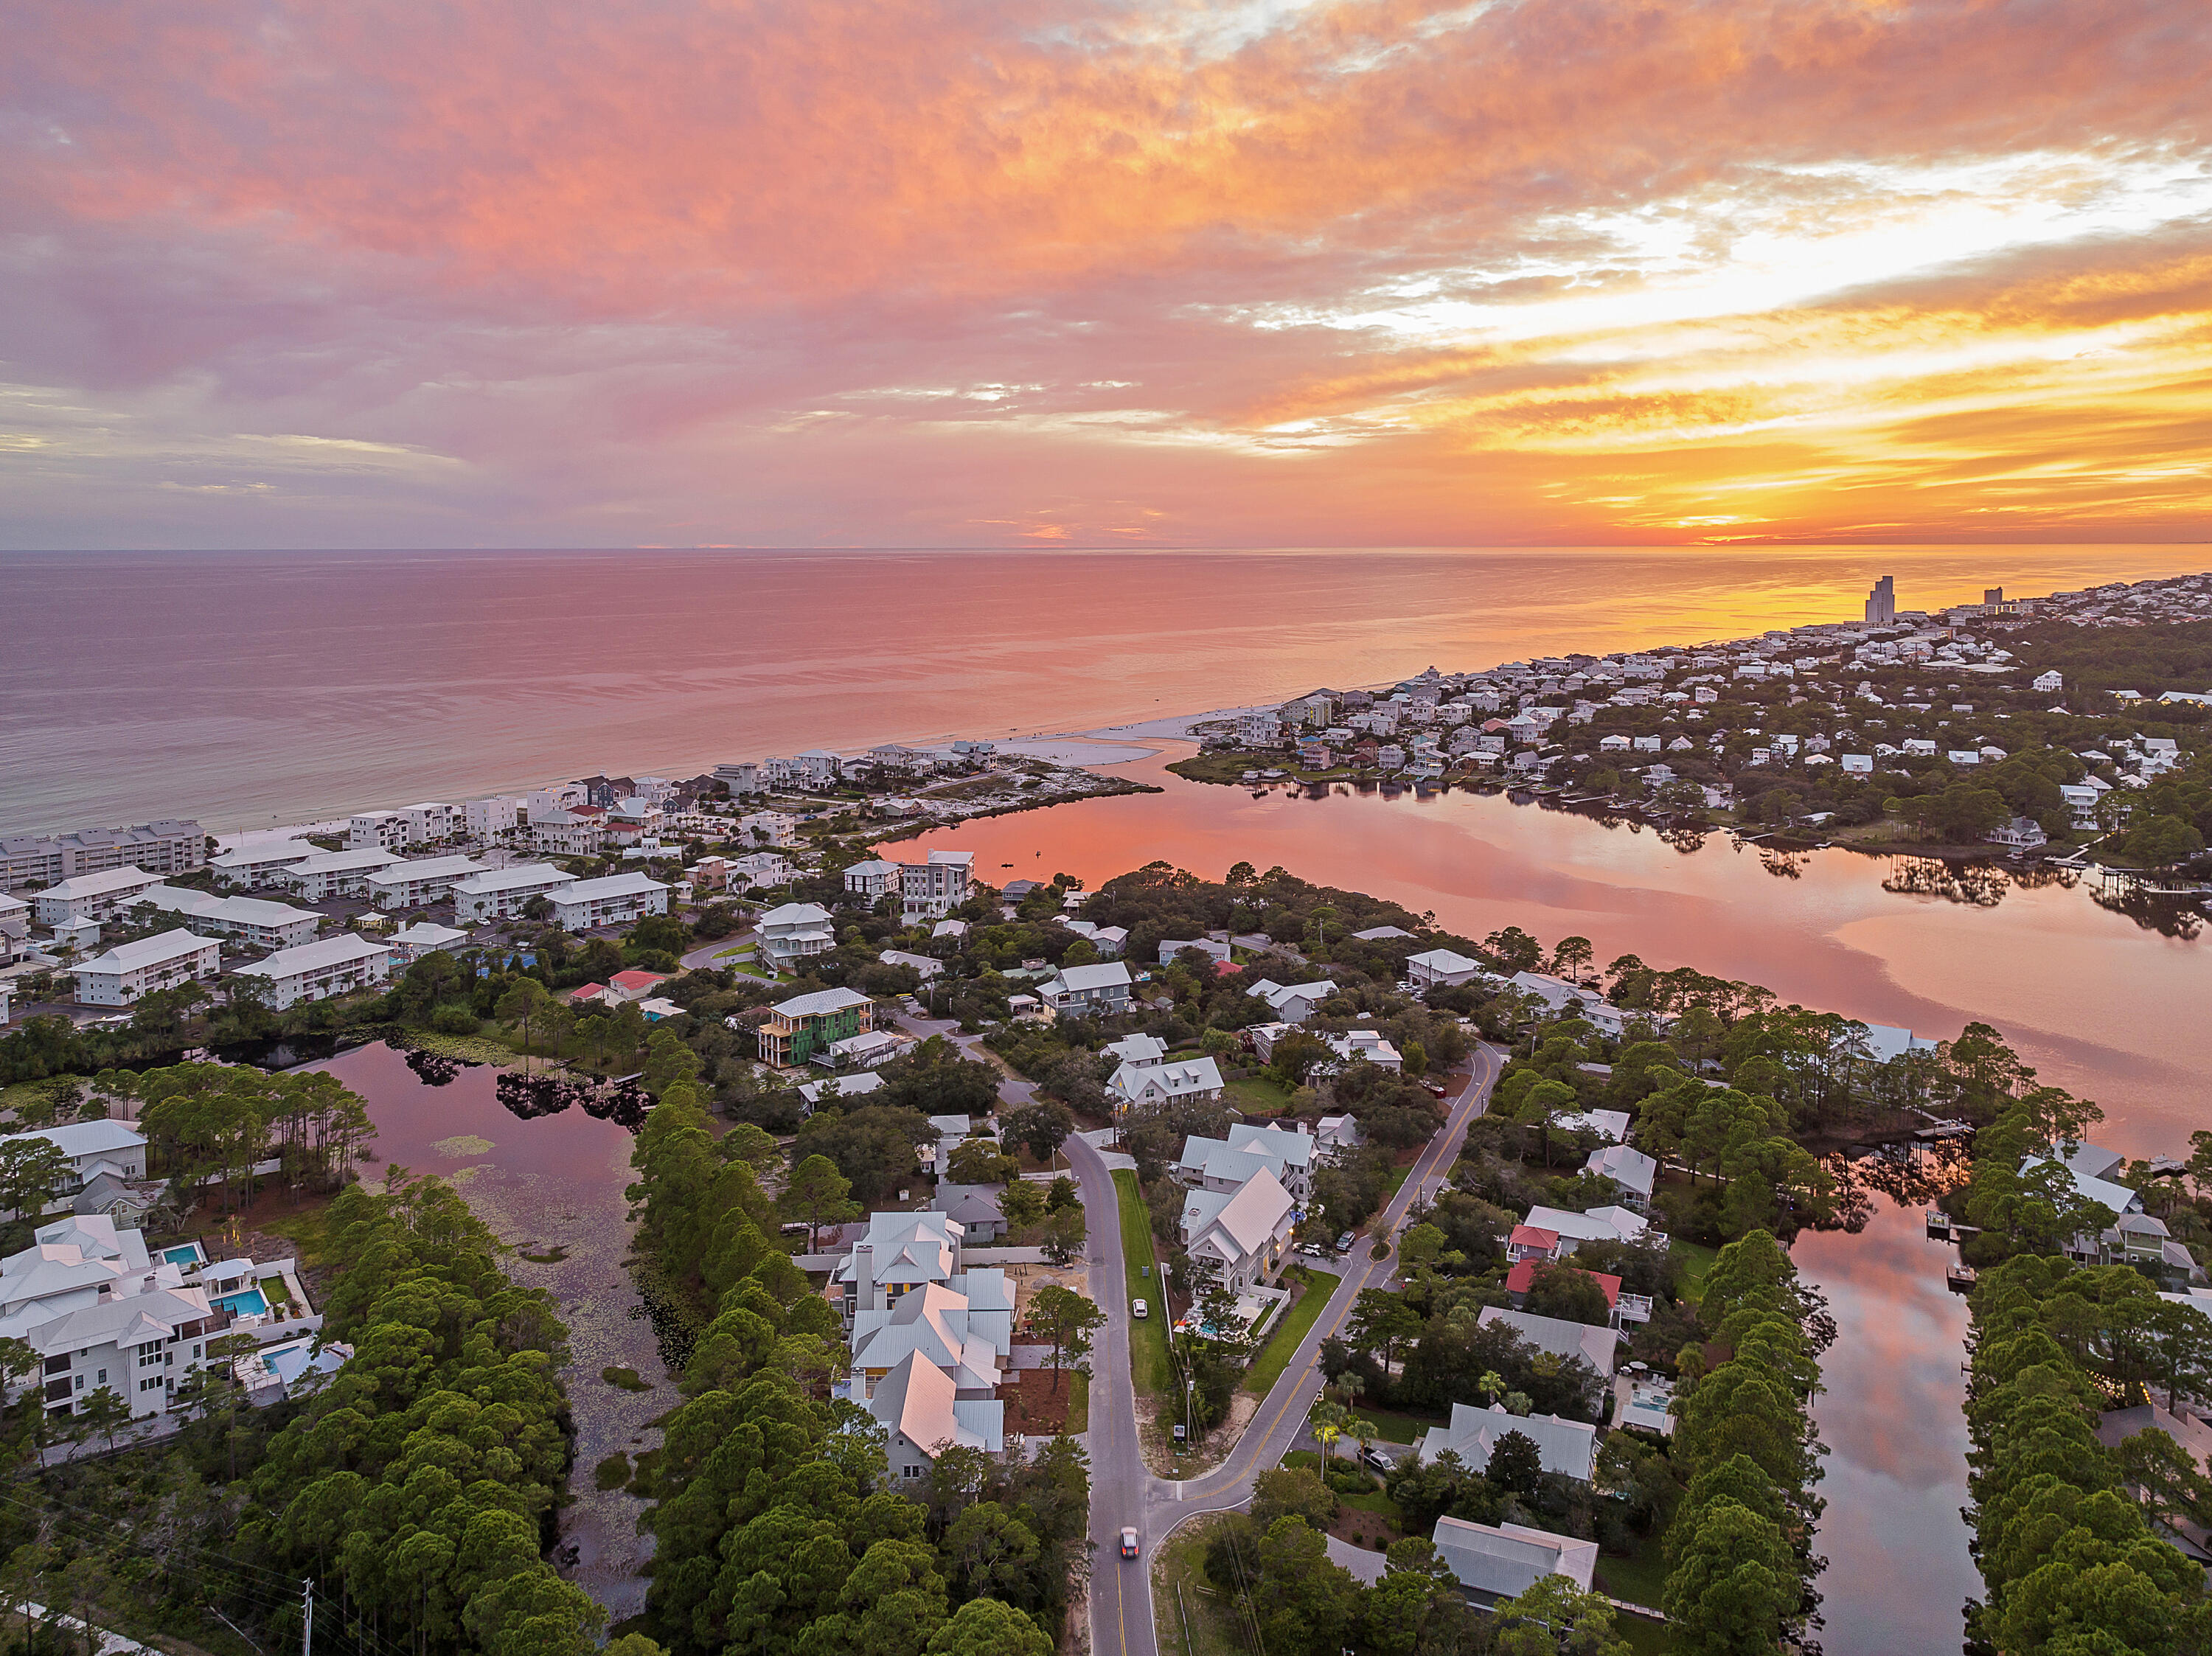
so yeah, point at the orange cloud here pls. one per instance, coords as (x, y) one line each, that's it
(1373, 271)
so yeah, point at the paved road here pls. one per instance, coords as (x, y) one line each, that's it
(1123, 1490)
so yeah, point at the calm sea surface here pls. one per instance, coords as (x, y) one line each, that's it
(253, 687)
(248, 689)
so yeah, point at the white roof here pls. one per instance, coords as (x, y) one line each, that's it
(129, 1320)
(1630, 1169)
(841, 1086)
(1608, 1224)
(262, 856)
(1102, 975)
(612, 885)
(920, 1401)
(1250, 1216)
(1140, 1050)
(1504, 1561)
(1445, 960)
(796, 914)
(98, 1137)
(148, 951)
(874, 866)
(1566, 1446)
(820, 1002)
(1597, 1347)
(508, 879)
(2118, 1198)
(1200, 1075)
(426, 868)
(1380, 933)
(427, 934)
(207, 905)
(99, 885)
(343, 862)
(323, 953)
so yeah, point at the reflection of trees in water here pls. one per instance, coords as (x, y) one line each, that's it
(528, 1097)
(1783, 864)
(1687, 840)
(1909, 1173)
(1976, 885)
(2168, 915)
(435, 1069)
(2038, 877)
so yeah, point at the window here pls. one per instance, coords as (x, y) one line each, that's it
(103, 1381)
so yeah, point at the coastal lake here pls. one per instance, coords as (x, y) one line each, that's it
(2110, 1008)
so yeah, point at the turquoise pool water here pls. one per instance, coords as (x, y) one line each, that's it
(187, 1255)
(246, 1302)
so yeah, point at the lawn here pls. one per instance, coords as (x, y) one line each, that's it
(1638, 1577)
(1259, 1095)
(1192, 1618)
(1078, 1402)
(1393, 1427)
(1148, 1340)
(1696, 1260)
(1267, 1367)
(1645, 1636)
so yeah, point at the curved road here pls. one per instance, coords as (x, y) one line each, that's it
(1123, 1490)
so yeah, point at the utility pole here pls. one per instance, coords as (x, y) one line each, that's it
(307, 1632)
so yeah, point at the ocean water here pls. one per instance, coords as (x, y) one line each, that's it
(250, 689)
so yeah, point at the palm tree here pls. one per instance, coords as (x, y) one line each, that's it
(1362, 1431)
(1328, 1420)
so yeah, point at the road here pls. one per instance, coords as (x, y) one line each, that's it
(1123, 1490)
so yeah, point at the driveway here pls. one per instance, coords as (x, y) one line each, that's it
(1123, 1490)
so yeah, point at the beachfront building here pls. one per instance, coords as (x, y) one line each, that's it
(253, 920)
(798, 1029)
(419, 882)
(934, 888)
(411, 825)
(501, 894)
(130, 971)
(489, 817)
(321, 971)
(559, 831)
(94, 897)
(795, 931)
(162, 848)
(248, 868)
(332, 874)
(617, 900)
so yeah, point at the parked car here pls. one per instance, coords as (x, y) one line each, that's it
(1344, 1243)
(1436, 1088)
(1375, 1457)
(1129, 1542)
(1140, 1310)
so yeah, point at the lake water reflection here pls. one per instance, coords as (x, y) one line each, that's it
(2106, 1006)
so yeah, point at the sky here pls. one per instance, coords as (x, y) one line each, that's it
(1082, 273)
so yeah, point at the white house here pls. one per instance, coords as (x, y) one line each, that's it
(499, 893)
(94, 1147)
(794, 930)
(1191, 1080)
(2053, 680)
(14, 918)
(254, 920)
(1567, 1446)
(411, 943)
(812, 1094)
(1496, 1561)
(1631, 1171)
(488, 818)
(1084, 991)
(967, 1331)
(131, 970)
(934, 888)
(1441, 967)
(1225, 1165)
(1567, 1230)
(1108, 940)
(563, 833)
(329, 874)
(1366, 1046)
(1557, 995)
(91, 896)
(873, 879)
(613, 901)
(1217, 952)
(1293, 1003)
(1242, 1242)
(928, 966)
(419, 882)
(318, 971)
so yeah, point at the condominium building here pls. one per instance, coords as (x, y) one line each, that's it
(578, 832)
(329, 874)
(934, 888)
(613, 901)
(411, 825)
(486, 818)
(318, 971)
(91, 896)
(254, 920)
(499, 893)
(166, 847)
(420, 883)
(132, 970)
(246, 868)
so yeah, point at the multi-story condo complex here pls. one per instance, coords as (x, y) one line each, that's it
(162, 848)
(131, 971)
(613, 901)
(419, 882)
(499, 893)
(319, 971)
(329, 874)
(253, 920)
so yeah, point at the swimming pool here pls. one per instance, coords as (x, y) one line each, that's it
(189, 1254)
(249, 1301)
